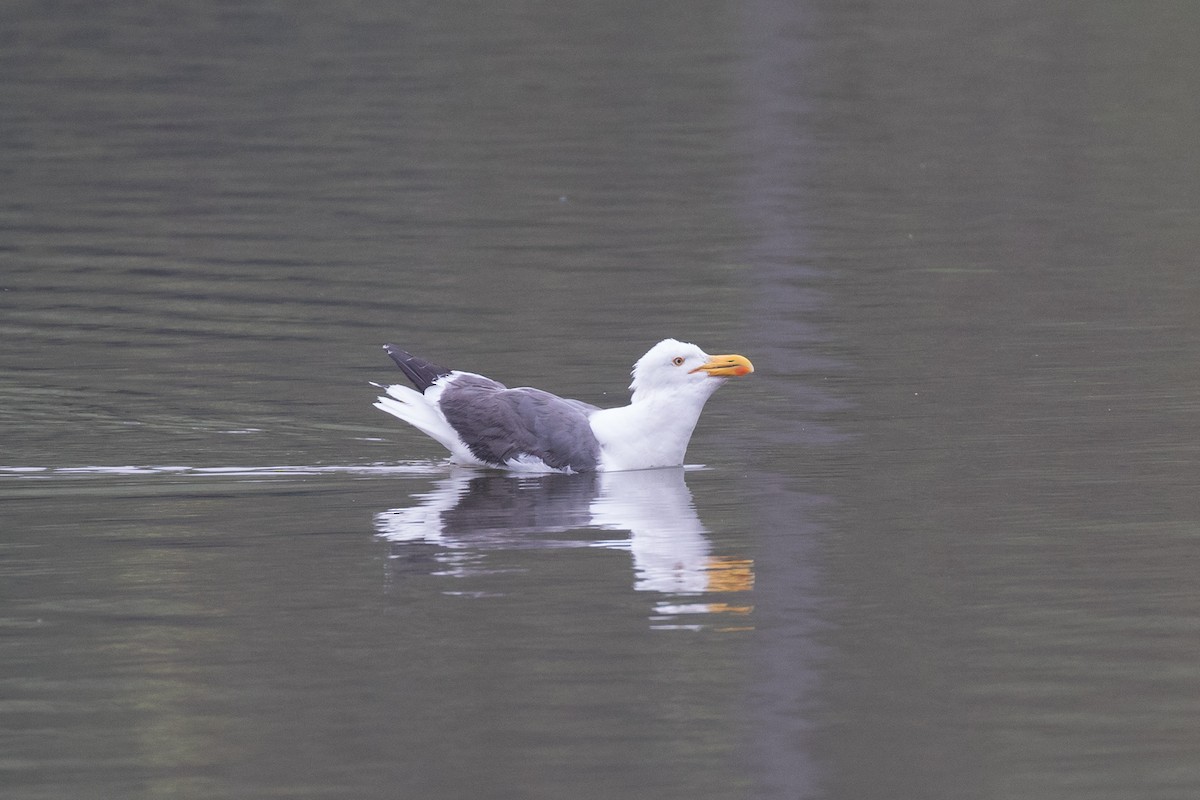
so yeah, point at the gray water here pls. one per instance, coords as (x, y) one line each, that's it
(944, 543)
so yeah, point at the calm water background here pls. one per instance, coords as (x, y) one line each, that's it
(947, 542)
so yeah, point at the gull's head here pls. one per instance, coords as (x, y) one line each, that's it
(680, 368)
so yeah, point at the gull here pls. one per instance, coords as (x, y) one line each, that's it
(484, 423)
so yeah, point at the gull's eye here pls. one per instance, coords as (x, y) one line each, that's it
(677, 361)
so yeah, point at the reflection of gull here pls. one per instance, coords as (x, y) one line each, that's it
(467, 514)
(423, 522)
(491, 511)
(670, 551)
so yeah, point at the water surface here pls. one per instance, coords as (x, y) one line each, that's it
(941, 544)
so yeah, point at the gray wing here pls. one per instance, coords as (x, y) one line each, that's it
(500, 424)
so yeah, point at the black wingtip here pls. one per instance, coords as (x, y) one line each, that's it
(422, 373)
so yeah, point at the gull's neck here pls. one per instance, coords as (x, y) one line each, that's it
(652, 431)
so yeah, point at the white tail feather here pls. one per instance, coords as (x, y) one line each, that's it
(423, 414)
